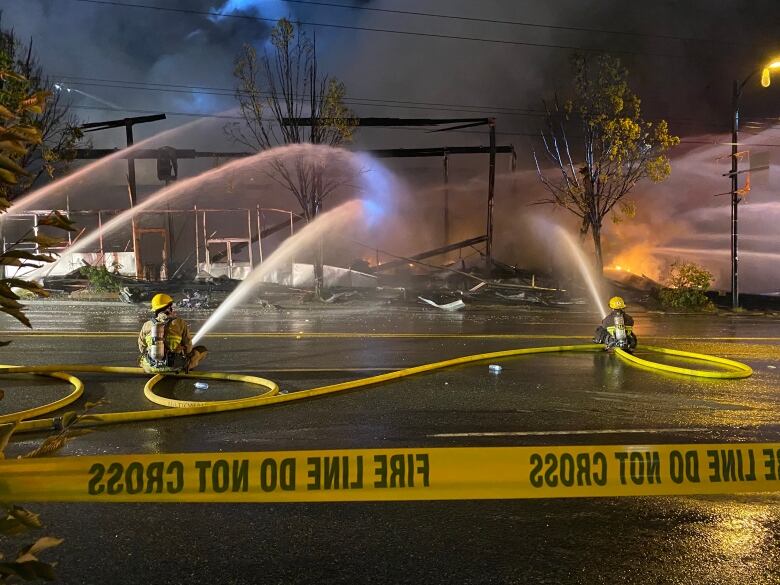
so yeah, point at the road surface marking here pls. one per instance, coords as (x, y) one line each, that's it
(546, 433)
(293, 334)
(308, 370)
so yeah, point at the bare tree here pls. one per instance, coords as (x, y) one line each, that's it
(619, 148)
(283, 100)
(58, 127)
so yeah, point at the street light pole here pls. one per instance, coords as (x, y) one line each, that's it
(735, 198)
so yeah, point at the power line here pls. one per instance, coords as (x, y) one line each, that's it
(167, 112)
(365, 102)
(114, 3)
(516, 23)
(232, 91)
(348, 101)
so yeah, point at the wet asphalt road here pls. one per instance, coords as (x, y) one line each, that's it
(556, 399)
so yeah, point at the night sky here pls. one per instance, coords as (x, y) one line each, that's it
(682, 58)
(682, 55)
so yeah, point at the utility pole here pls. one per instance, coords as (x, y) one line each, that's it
(491, 192)
(446, 199)
(735, 198)
(734, 174)
(128, 123)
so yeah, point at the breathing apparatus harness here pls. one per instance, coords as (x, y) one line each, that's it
(621, 339)
(158, 354)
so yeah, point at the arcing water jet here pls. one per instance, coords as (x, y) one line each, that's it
(578, 257)
(333, 221)
(582, 265)
(214, 181)
(34, 198)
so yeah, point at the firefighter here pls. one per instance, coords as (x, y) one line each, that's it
(165, 343)
(617, 328)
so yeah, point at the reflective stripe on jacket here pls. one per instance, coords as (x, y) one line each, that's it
(177, 335)
(609, 323)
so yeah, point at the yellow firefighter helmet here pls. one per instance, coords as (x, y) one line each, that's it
(617, 303)
(160, 301)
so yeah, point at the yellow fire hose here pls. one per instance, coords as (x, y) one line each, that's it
(271, 395)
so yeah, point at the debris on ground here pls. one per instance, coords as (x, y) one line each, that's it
(515, 297)
(453, 306)
(340, 296)
(196, 300)
(266, 306)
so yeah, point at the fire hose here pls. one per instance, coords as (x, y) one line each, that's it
(26, 420)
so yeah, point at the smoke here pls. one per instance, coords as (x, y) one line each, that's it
(141, 45)
(687, 82)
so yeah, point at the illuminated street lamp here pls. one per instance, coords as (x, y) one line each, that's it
(735, 198)
(765, 73)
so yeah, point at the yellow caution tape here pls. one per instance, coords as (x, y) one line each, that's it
(271, 395)
(415, 473)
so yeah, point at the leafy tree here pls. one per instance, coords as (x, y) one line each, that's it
(16, 522)
(275, 93)
(58, 127)
(619, 147)
(18, 135)
(22, 108)
(100, 279)
(686, 284)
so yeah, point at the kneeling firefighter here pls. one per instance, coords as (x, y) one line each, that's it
(617, 328)
(165, 343)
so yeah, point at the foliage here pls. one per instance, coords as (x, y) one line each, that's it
(619, 147)
(58, 129)
(16, 521)
(17, 136)
(100, 279)
(686, 284)
(275, 94)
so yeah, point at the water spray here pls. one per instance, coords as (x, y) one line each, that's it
(583, 265)
(32, 200)
(329, 155)
(579, 258)
(332, 221)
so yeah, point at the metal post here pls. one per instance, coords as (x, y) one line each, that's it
(259, 235)
(100, 232)
(491, 192)
(249, 225)
(292, 258)
(131, 186)
(169, 218)
(130, 163)
(735, 199)
(197, 242)
(206, 255)
(446, 200)
(229, 246)
(35, 232)
(67, 209)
